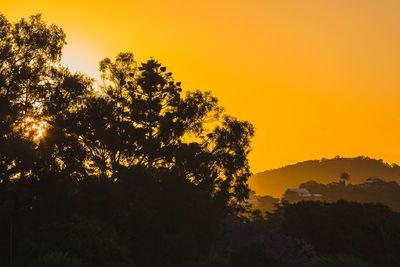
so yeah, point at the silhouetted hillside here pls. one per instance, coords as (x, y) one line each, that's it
(275, 182)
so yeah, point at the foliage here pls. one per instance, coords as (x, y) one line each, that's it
(34, 90)
(251, 244)
(342, 227)
(254, 255)
(94, 244)
(142, 120)
(336, 261)
(58, 259)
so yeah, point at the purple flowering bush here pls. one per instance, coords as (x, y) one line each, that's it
(244, 237)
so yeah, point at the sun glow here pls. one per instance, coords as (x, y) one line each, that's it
(34, 128)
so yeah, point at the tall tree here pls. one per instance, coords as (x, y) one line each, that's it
(35, 93)
(142, 119)
(28, 51)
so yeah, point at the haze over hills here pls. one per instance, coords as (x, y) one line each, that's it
(275, 182)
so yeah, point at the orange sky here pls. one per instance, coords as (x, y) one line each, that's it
(316, 78)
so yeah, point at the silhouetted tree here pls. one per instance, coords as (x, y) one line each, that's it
(344, 176)
(34, 89)
(141, 119)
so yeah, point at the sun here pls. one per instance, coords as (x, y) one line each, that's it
(34, 128)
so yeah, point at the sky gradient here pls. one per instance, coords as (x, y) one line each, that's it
(316, 78)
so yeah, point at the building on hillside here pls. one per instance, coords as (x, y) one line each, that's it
(298, 194)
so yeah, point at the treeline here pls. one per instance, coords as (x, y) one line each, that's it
(373, 190)
(367, 233)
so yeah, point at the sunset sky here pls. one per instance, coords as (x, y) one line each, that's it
(317, 78)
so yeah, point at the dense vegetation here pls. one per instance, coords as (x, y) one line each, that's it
(364, 230)
(137, 173)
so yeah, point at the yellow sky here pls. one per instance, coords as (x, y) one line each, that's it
(317, 78)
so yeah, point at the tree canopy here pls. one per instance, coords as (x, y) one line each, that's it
(139, 118)
(154, 164)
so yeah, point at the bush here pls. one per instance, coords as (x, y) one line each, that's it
(248, 242)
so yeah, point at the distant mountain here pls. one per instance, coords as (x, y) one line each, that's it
(275, 182)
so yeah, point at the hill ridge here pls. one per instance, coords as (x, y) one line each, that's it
(275, 181)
